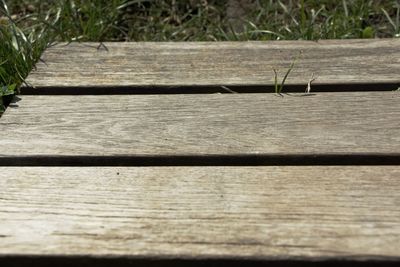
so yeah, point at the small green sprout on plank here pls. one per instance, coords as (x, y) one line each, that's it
(279, 86)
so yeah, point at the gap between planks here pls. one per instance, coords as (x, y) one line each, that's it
(209, 89)
(209, 160)
(87, 261)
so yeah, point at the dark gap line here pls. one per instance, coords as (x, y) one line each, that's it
(205, 160)
(203, 89)
(44, 261)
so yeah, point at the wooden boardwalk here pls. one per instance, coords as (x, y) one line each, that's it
(135, 154)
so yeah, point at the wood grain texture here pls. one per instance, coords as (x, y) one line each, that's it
(218, 63)
(202, 212)
(214, 124)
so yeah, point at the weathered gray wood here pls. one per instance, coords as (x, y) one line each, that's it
(185, 212)
(213, 124)
(219, 63)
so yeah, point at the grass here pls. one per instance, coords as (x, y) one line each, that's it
(19, 52)
(279, 86)
(28, 26)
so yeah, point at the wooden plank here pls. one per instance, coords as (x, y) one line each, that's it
(202, 125)
(308, 213)
(218, 63)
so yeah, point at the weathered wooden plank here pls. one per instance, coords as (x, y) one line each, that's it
(202, 125)
(219, 63)
(202, 212)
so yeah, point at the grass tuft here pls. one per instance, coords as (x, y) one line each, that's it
(19, 51)
(279, 86)
(395, 22)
